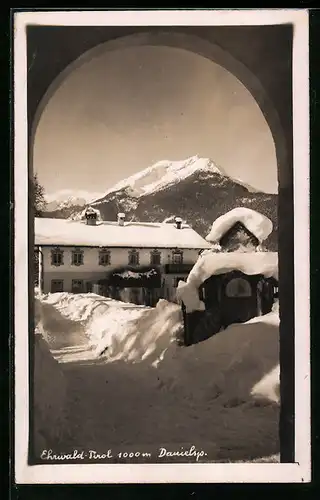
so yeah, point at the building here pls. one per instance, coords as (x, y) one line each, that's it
(234, 281)
(131, 261)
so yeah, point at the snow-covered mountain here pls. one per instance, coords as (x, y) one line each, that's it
(164, 174)
(67, 201)
(66, 198)
(196, 189)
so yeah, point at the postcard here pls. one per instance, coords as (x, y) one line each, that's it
(161, 200)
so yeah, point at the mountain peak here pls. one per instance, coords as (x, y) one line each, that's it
(195, 189)
(163, 174)
(67, 198)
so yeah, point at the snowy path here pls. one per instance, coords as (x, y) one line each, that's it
(71, 347)
(128, 407)
(121, 405)
(194, 397)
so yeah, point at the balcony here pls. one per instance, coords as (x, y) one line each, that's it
(133, 276)
(178, 268)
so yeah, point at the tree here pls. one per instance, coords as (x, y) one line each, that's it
(39, 197)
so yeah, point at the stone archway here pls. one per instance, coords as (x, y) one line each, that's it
(191, 43)
(260, 57)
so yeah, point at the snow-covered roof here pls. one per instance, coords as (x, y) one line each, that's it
(209, 264)
(250, 263)
(259, 225)
(132, 234)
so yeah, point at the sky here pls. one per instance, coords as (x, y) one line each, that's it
(124, 110)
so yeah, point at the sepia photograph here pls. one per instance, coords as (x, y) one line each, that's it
(158, 156)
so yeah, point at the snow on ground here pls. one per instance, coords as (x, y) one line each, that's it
(131, 386)
(259, 225)
(49, 415)
(210, 263)
(269, 386)
(108, 325)
(133, 234)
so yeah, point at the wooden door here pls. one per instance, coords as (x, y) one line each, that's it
(238, 300)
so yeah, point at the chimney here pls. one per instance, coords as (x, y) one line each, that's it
(121, 218)
(178, 222)
(91, 217)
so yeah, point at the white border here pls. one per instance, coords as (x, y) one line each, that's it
(166, 473)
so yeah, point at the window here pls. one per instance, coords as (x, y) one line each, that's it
(56, 286)
(77, 286)
(238, 287)
(104, 257)
(133, 258)
(56, 257)
(177, 257)
(77, 257)
(155, 258)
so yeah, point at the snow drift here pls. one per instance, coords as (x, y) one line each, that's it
(135, 333)
(49, 404)
(269, 386)
(133, 383)
(120, 329)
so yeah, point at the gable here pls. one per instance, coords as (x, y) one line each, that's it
(238, 237)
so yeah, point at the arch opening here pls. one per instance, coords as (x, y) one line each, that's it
(191, 44)
(282, 134)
